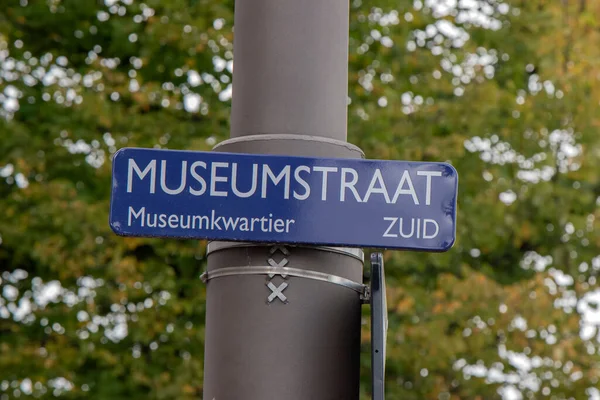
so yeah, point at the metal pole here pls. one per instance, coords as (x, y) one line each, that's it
(274, 336)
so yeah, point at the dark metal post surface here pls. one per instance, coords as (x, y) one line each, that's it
(291, 68)
(286, 337)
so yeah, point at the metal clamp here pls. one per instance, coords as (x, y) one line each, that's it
(347, 251)
(363, 290)
(351, 150)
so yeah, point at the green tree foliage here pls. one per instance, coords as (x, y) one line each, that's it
(507, 92)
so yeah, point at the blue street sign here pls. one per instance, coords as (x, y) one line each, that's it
(278, 199)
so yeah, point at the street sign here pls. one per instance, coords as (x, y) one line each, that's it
(280, 199)
(379, 326)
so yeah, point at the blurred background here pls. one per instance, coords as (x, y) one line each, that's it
(507, 91)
